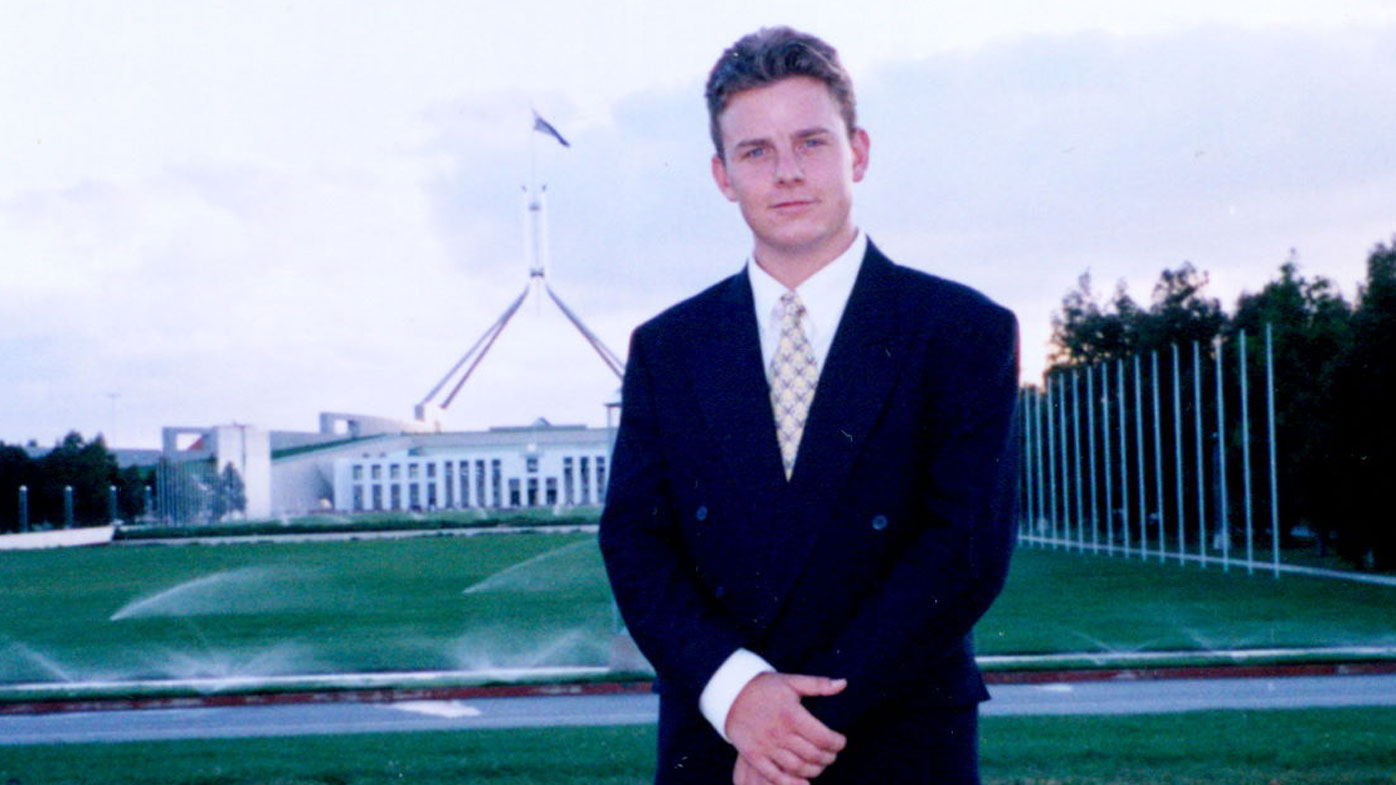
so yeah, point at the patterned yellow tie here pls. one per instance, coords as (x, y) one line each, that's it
(794, 373)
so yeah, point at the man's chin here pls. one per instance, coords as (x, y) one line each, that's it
(796, 243)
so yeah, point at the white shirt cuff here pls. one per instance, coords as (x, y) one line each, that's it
(716, 701)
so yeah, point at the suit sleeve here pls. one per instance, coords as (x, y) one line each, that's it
(946, 580)
(674, 621)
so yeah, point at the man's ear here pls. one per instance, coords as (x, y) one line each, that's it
(861, 145)
(724, 184)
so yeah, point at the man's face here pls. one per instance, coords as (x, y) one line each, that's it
(790, 163)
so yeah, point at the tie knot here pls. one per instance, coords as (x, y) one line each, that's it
(791, 307)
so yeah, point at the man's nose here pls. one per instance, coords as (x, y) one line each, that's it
(788, 168)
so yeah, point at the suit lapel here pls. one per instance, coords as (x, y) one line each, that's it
(858, 375)
(730, 380)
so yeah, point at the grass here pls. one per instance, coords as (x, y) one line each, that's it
(1064, 602)
(541, 599)
(1301, 747)
(403, 605)
(271, 609)
(1293, 747)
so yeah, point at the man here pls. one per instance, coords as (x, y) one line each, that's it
(811, 491)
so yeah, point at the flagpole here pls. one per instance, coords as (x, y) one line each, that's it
(535, 207)
(538, 252)
(533, 153)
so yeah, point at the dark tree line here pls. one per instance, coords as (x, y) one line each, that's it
(1335, 379)
(88, 467)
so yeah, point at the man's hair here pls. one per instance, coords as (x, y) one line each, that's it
(769, 55)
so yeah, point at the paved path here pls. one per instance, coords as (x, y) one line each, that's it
(1174, 695)
(373, 534)
(1115, 697)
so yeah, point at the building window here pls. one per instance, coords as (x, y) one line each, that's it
(514, 492)
(394, 471)
(551, 498)
(431, 496)
(358, 472)
(376, 472)
(411, 471)
(377, 497)
(450, 478)
(531, 464)
(414, 497)
(600, 479)
(431, 471)
(586, 480)
(533, 491)
(358, 497)
(395, 496)
(567, 497)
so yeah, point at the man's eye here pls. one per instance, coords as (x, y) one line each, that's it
(814, 142)
(754, 152)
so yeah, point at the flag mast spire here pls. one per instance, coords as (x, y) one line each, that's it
(536, 246)
(536, 206)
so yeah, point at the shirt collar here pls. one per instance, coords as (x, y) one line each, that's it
(823, 294)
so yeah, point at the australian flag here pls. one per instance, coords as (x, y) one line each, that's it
(543, 126)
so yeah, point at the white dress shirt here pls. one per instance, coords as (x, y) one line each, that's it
(824, 295)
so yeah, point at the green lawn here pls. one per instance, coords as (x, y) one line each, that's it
(1310, 747)
(541, 599)
(1059, 602)
(272, 609)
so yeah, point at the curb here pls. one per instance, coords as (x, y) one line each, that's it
(1192, 672)
(391, 695)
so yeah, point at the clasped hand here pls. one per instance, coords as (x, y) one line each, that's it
(778, 741)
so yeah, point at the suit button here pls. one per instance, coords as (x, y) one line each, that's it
(879, 522)
(720, 592)
(701, 513)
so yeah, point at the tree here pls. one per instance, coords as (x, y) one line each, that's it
(1365, 386)
(1180, 313)
(1085, 332)
(230, 494)
(1335, 379)
(1310, 327)
(88, 468)
(16, 470)
(130, 492)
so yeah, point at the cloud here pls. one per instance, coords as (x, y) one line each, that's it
(1019, 166)
(280, 219)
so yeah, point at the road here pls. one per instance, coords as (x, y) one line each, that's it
(1115, 697)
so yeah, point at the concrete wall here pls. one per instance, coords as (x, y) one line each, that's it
(58, 538)
(346, 425)
(248, 450)
(319, 479)
(540, 467)
(304, 482)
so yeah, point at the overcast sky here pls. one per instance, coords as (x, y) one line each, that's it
(254, 212)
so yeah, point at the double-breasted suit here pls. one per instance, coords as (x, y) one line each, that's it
(877, 556)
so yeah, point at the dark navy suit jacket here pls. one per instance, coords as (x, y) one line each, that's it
(873, 561)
